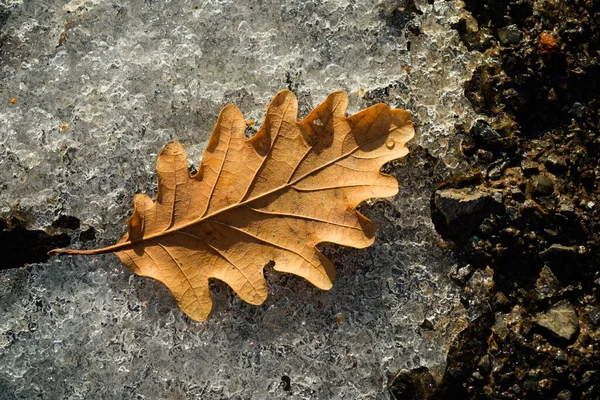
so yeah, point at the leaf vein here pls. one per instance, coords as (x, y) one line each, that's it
(269, 243)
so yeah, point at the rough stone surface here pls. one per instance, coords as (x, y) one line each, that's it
(456, 204)
(559, 251)
(547, 285)
(460, 211)
(540, 185)
(509, 34)
(560, 321)
(414, 384)
(539, 97)
(90, 91)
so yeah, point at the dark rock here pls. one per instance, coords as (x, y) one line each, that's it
(560, 321)
(485, 136)
(471, 34)
(540, 185)
(588, 180)
(461, 273)
(556, 164)
(547, 284)
(561, 356)
(530, 385)
(417, 383)
(464, 355)
(485, 155)
(529, 167)
(544, 386)
(561, 259)
(500, 301)
(577, 109)
(477, 291)
(495, 172)
(487, 226)
(509, 34)
(498, 197)
(515, 389)
(462, 210)
(566, 210)
(559, 252)
(587, 377)
(484, 364)
(511, 234)
(513, 212)
(593, 393)
(516, 194)
(591, 320)
(564, 395)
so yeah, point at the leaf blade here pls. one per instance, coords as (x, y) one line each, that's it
(273, 197)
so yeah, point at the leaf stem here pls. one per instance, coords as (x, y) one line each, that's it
(104, 250)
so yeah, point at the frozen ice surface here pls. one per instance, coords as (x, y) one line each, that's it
(101, 86)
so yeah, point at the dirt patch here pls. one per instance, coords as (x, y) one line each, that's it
(529, 241)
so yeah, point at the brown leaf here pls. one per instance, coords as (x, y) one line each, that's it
(273, 197)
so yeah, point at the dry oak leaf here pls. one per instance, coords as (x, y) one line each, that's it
(273, 197)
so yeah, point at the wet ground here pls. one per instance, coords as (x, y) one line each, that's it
(525, 223)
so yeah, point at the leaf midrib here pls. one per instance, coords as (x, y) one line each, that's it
(125, 245)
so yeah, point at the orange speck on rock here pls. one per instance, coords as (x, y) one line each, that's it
(250, 122)
(13, 100)
(547, 43)
(64, 127)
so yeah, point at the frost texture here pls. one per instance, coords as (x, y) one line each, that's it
(127, 78)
